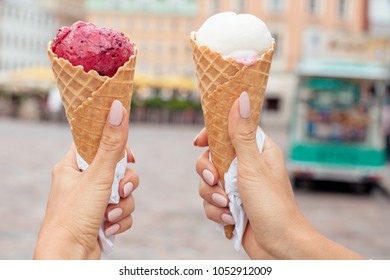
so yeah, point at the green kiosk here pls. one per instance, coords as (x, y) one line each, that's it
(335, 130)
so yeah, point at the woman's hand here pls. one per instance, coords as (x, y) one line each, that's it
(78, 200)
(276, 228)
(215, 200)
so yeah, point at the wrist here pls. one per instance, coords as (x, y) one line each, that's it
(57, 243)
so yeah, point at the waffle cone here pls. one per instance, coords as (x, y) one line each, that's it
(87, 99)
(221, 82)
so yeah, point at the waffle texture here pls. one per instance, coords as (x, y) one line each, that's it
(221, 81)
(87, 99)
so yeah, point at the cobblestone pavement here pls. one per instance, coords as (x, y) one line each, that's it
(168, 222)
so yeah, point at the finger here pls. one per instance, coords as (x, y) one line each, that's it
(201, 139)
(130, 155)
(119, 227)
(116, 212)
(242, 130)
(111, 148)
(206, 169)
(213, 195)
(218, 215)
(128, 183)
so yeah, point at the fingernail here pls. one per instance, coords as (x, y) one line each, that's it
(196, 139)
(127, 189)
(244, 103)
(131, 151)
(114, 214)
(208, 177)
(219, 199)
(116, 113)
(111, 230)
(228, 219)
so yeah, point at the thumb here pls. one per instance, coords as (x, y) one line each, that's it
(242, 130)
(112, 145)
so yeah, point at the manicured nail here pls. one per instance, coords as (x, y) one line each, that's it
(111, 230)
(127, 189)
(228, 219)
(131, 151)
(114, 214)
(196, 139)
(245, 107)
(219, 199)
(116, 113)
(208, 177)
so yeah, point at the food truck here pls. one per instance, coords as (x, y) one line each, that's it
(335, 129)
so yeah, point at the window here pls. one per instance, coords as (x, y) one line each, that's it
(275, 5)
(313, 7)
(173, 68)
(158, 48)
(214, 6)
(342, 8)
(312, 42)
(241, 6)
(173, 49)
(116, 4)
(158, 69)
(278, 43)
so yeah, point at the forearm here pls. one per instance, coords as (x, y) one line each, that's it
(307, 243)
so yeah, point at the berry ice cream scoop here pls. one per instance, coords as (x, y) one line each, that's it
(95, 48)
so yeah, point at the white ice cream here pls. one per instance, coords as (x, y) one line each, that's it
(243, 37)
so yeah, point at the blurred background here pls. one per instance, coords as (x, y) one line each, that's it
(327, 105)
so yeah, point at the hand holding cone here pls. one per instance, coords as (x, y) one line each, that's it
(221, 81)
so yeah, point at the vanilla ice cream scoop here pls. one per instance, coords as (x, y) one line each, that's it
(243, 37)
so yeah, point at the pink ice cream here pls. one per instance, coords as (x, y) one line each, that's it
(101, 49)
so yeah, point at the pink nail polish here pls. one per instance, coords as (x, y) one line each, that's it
(228, 219)
(127, 189)
(244, 105)
(219, 199)
(131, 151)
(111, 230)
(196, 139)
(208, 177)
(114, 214)
(116, 113)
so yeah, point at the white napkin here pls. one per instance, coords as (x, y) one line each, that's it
(235, 203)
(107, 243)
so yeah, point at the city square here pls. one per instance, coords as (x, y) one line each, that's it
(169, 222)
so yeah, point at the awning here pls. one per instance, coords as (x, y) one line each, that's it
(341, 69)
(28, 80)
(41, 80)
(168, 82)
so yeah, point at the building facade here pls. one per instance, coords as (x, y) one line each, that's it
(299, 27)
(26, 26)
(161, 30)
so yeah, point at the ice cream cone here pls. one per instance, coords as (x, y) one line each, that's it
(87, 98)
(221, 81)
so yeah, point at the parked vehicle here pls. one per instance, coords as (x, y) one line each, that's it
(335, 130)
